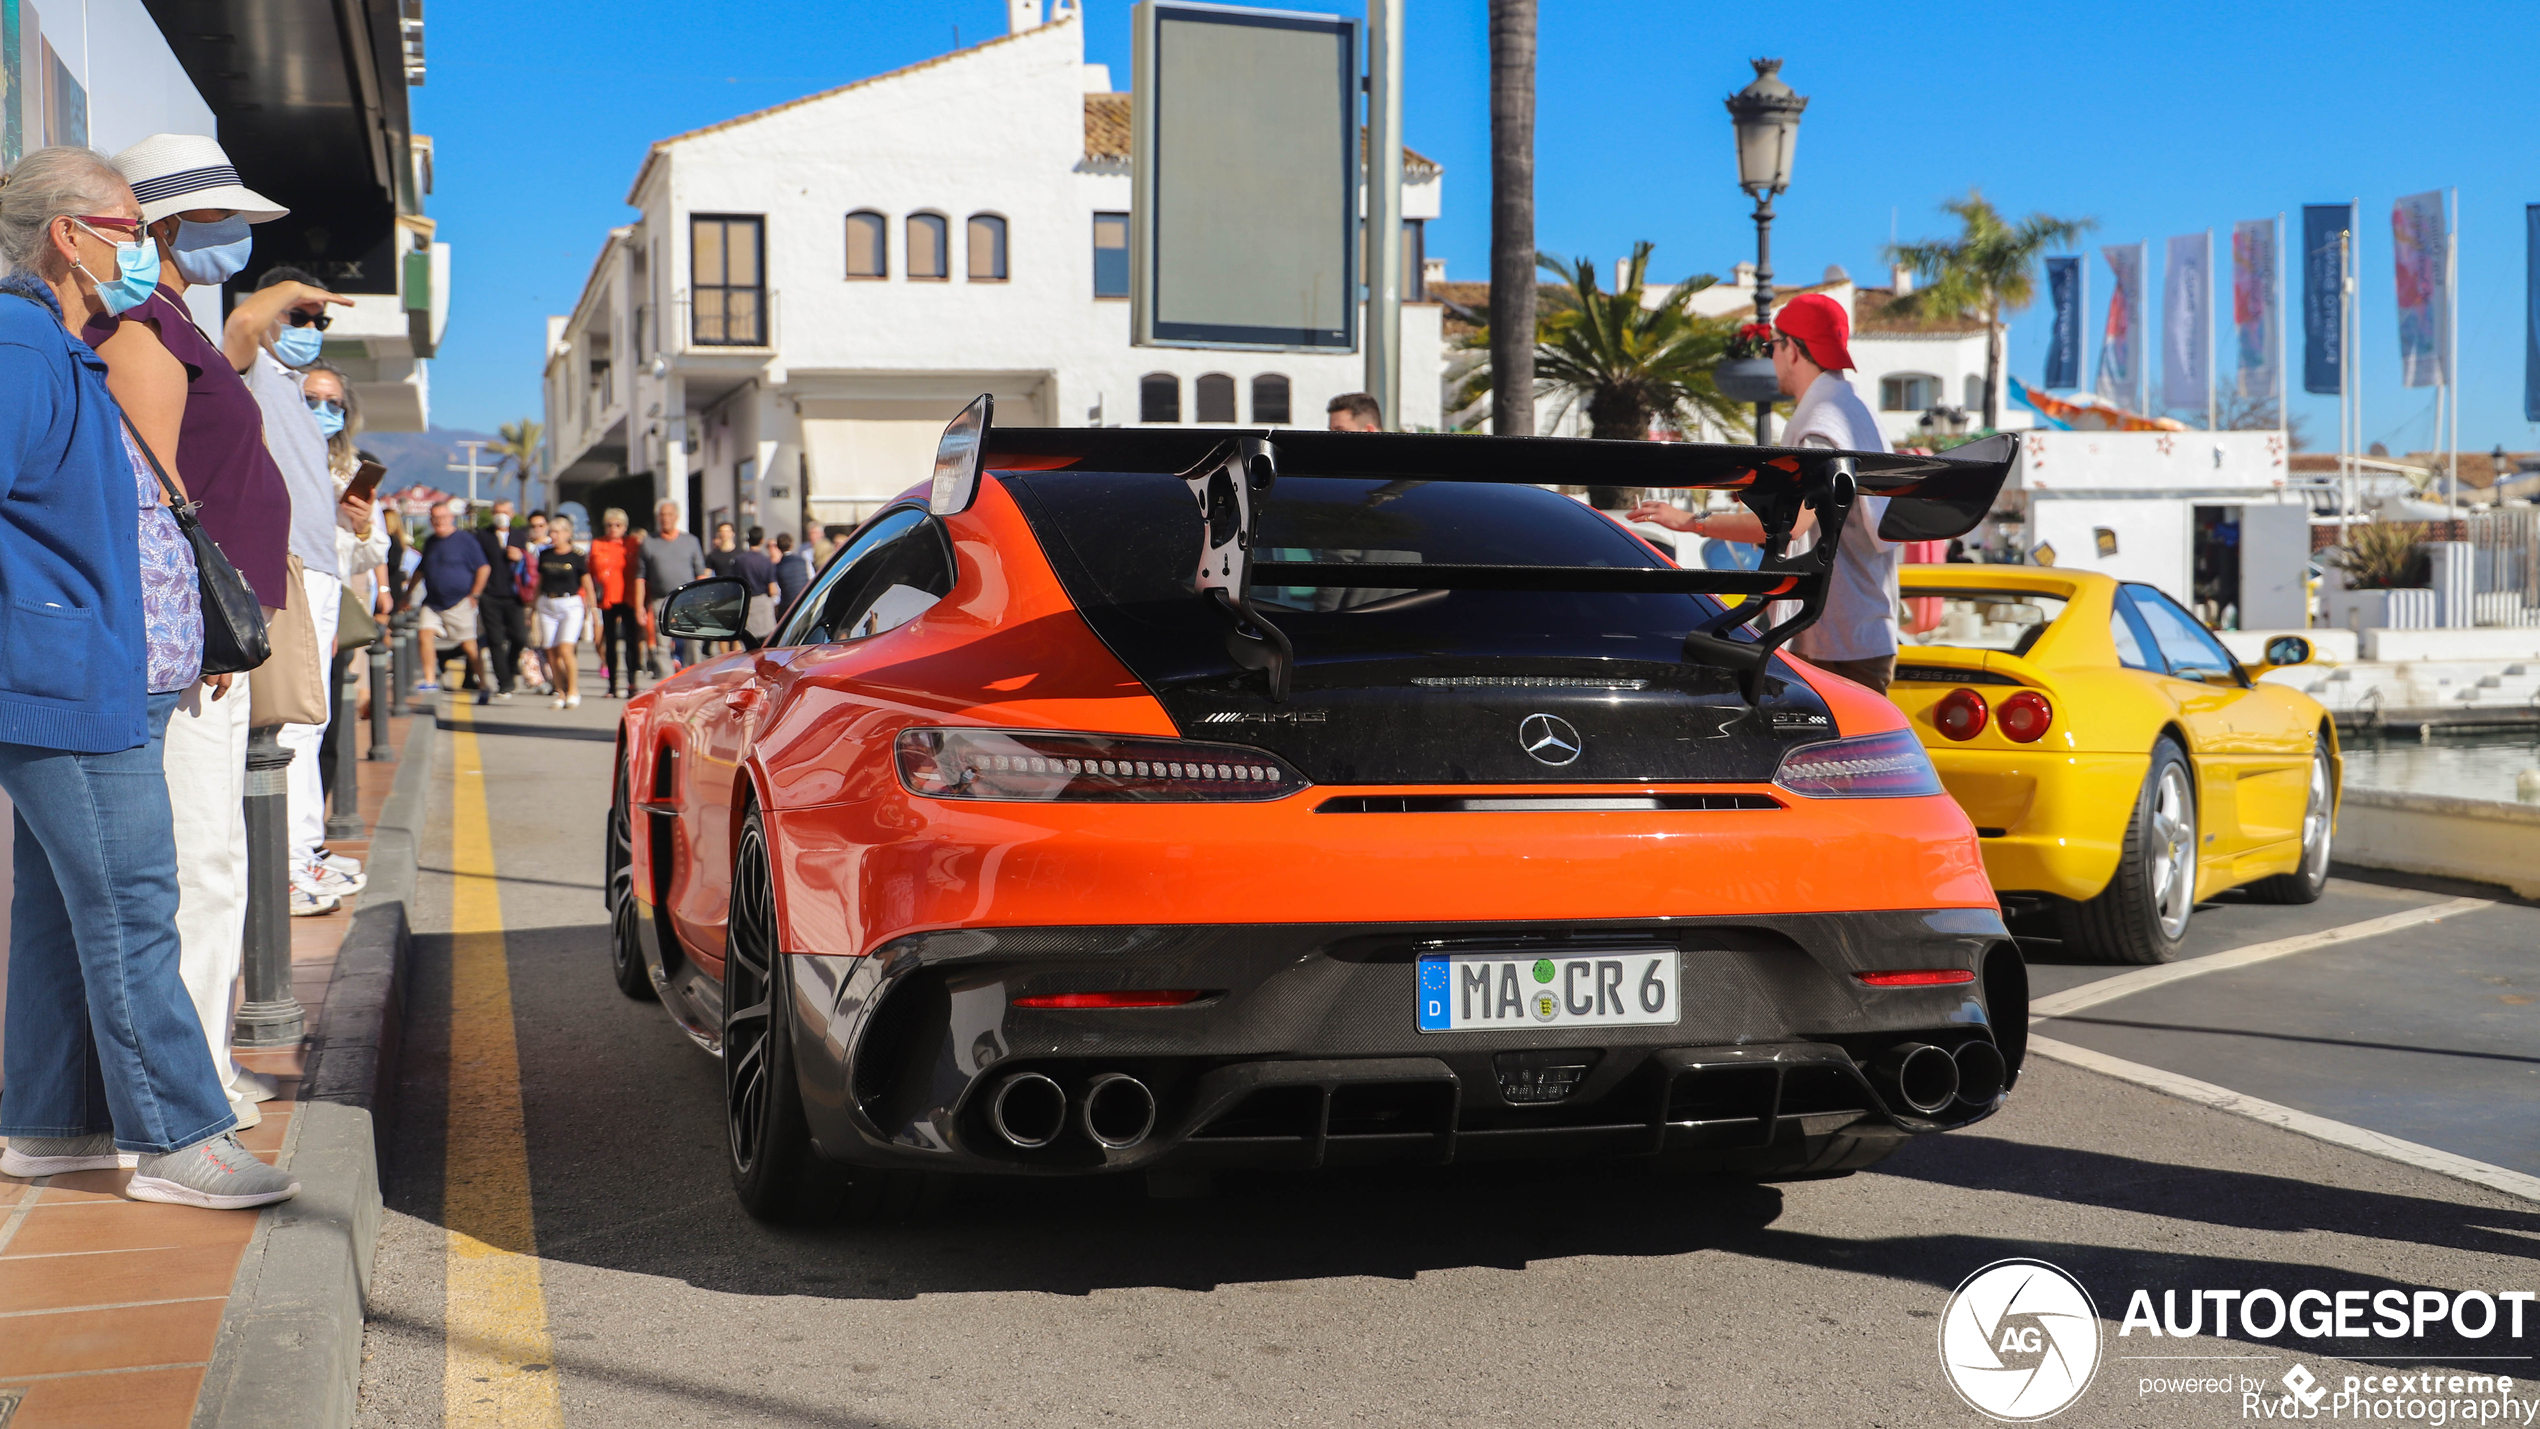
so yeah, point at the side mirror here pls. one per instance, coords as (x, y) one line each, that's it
(715, 608)
(2286, 650)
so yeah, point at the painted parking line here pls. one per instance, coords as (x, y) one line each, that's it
(2127, 984)
(500, 1361)
(2462, 1168)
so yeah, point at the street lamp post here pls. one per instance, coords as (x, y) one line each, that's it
(1766, 114)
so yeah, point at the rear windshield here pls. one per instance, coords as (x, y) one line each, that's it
(2006, 620)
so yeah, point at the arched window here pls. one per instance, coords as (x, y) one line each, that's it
(1159, 397)
(1975, 393)
(1909, 392)
(928, 248)
(1269, 400)
(1216, 393)
(987, 248)
(868, 245)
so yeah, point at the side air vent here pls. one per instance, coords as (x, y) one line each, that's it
(1542, 803)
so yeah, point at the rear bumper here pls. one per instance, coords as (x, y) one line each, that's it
(1305, 1053)
(2048, 821)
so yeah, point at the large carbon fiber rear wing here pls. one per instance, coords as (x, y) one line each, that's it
(1231, 474)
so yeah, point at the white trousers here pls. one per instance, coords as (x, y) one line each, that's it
(206, 763)
(305, 799)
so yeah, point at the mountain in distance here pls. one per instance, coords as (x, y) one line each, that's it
(424, 458)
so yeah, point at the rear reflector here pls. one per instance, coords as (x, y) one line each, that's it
(1032, 766)
(1918, 977)
(1152, 997)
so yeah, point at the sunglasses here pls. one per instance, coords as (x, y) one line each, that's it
(297, 318)
(326, 404)
(130, 227)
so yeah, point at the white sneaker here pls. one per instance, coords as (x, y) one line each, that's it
(572, 701)
(253, 1085)
(343, 863)
(305, 904)
(557, 703)
(245, 1111)
(319, 878)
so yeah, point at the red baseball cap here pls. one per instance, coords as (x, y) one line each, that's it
(1822, 328)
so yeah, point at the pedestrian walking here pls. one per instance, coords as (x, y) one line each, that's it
(453, 573)
(502, 622)
(672, 558)
(567, 606)
(756, 571)
(615, 568)
(105, 1049)
(1856, 634)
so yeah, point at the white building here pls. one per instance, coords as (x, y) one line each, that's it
(811, 292)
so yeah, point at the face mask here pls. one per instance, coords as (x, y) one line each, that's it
(136, 274)
(212, 252)
(502, 521)
(298, 346)
(330, 418)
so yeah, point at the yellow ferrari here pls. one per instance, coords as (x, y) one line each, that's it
(2118, 764)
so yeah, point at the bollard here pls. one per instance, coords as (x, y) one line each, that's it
(403, 622)
(269, 1016)
(344, 821)
(380, 679)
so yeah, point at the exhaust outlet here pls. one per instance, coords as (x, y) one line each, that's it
(1917, 1074)
(1028, 1110)
(1119, 1111)
(1981, 1073)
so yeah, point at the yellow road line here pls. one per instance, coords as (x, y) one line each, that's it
(500, 1368)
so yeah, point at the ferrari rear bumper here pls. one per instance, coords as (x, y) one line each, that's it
(1303, 1049)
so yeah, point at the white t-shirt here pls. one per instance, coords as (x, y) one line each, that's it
(299, 448)
(1859, 620)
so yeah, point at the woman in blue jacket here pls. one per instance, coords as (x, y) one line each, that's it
(99, 634)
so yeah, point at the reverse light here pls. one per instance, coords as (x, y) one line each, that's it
(1961, 714)
(1030, 766)
(2025, 717)
(1868, 766)
(1144, 997)
(1918, 977)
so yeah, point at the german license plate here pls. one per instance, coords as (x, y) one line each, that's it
(1510, 992)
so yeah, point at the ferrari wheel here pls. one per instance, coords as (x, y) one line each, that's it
(2309, 877)
(779, 1176)
(626, 952)
(2141, 916)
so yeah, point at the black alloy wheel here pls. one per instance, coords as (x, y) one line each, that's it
(2309, 877)
(626, 951)
(2141, 916)
(775, 1170)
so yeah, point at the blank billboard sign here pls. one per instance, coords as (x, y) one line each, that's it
(1245, 178)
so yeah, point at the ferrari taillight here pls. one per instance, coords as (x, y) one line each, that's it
(1961, 714)
(1032, 767)
(2025, 717)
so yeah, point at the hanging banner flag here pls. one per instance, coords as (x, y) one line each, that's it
(2531, 313)
(2323, 294)
(2255, 318)
(2418, 242)
(2187, 322)
(2064, 277)
(2120, 338)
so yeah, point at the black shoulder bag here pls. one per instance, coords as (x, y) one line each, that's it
(234, 638)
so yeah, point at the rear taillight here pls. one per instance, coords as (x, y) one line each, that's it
(1089, 1001)
(1032, 767)
(2025, 716)
(1961, 714)
(1918, 977)
(1869, 766)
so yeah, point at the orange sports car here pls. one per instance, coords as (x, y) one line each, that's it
(1174, 801)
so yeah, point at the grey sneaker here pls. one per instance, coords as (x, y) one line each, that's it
(32, 1156)
(218, 1174)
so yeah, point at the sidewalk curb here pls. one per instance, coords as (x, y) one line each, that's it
(290, 1346)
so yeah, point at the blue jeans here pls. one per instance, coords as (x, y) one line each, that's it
(102, 1035)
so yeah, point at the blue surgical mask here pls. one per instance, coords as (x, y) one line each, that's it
(330, 417)
(298, 346)
(136, 274)
(212, 253)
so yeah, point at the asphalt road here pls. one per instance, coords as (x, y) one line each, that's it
(1584, 1295)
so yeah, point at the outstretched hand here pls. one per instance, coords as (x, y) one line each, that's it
(1661, 513)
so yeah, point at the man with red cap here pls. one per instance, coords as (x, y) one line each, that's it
(1855, 636)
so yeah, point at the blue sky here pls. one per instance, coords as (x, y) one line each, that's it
(2179, 119)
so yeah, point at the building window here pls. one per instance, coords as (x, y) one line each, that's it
(1415, 258)
(1159, 397)
(1216, 393)
(1909, 392)
(727, 280)
(868, 245)
(987, 248)
(1975, 393)
(1111, 255)
(928, 250)
(1269, 400)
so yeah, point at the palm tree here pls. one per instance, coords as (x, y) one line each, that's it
(519, 444)
(1512, 214)
(1988, 270)
(1632, 362)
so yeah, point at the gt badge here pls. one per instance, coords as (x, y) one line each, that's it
(1549, 738)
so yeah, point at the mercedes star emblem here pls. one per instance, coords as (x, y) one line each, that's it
(1549, 738)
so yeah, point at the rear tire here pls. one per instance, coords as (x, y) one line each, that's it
(626, 950)
(2309, 878)
(2141, 916)
(777, 1173)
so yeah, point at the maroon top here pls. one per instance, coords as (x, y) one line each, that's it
(220, 450)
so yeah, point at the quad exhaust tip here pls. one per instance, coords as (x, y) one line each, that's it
(1981, 1073)
(1029, 1110)
(1920, 1075)
(1119, 1111)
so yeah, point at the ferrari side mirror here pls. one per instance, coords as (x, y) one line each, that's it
(2286, 650)
(715, 608)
